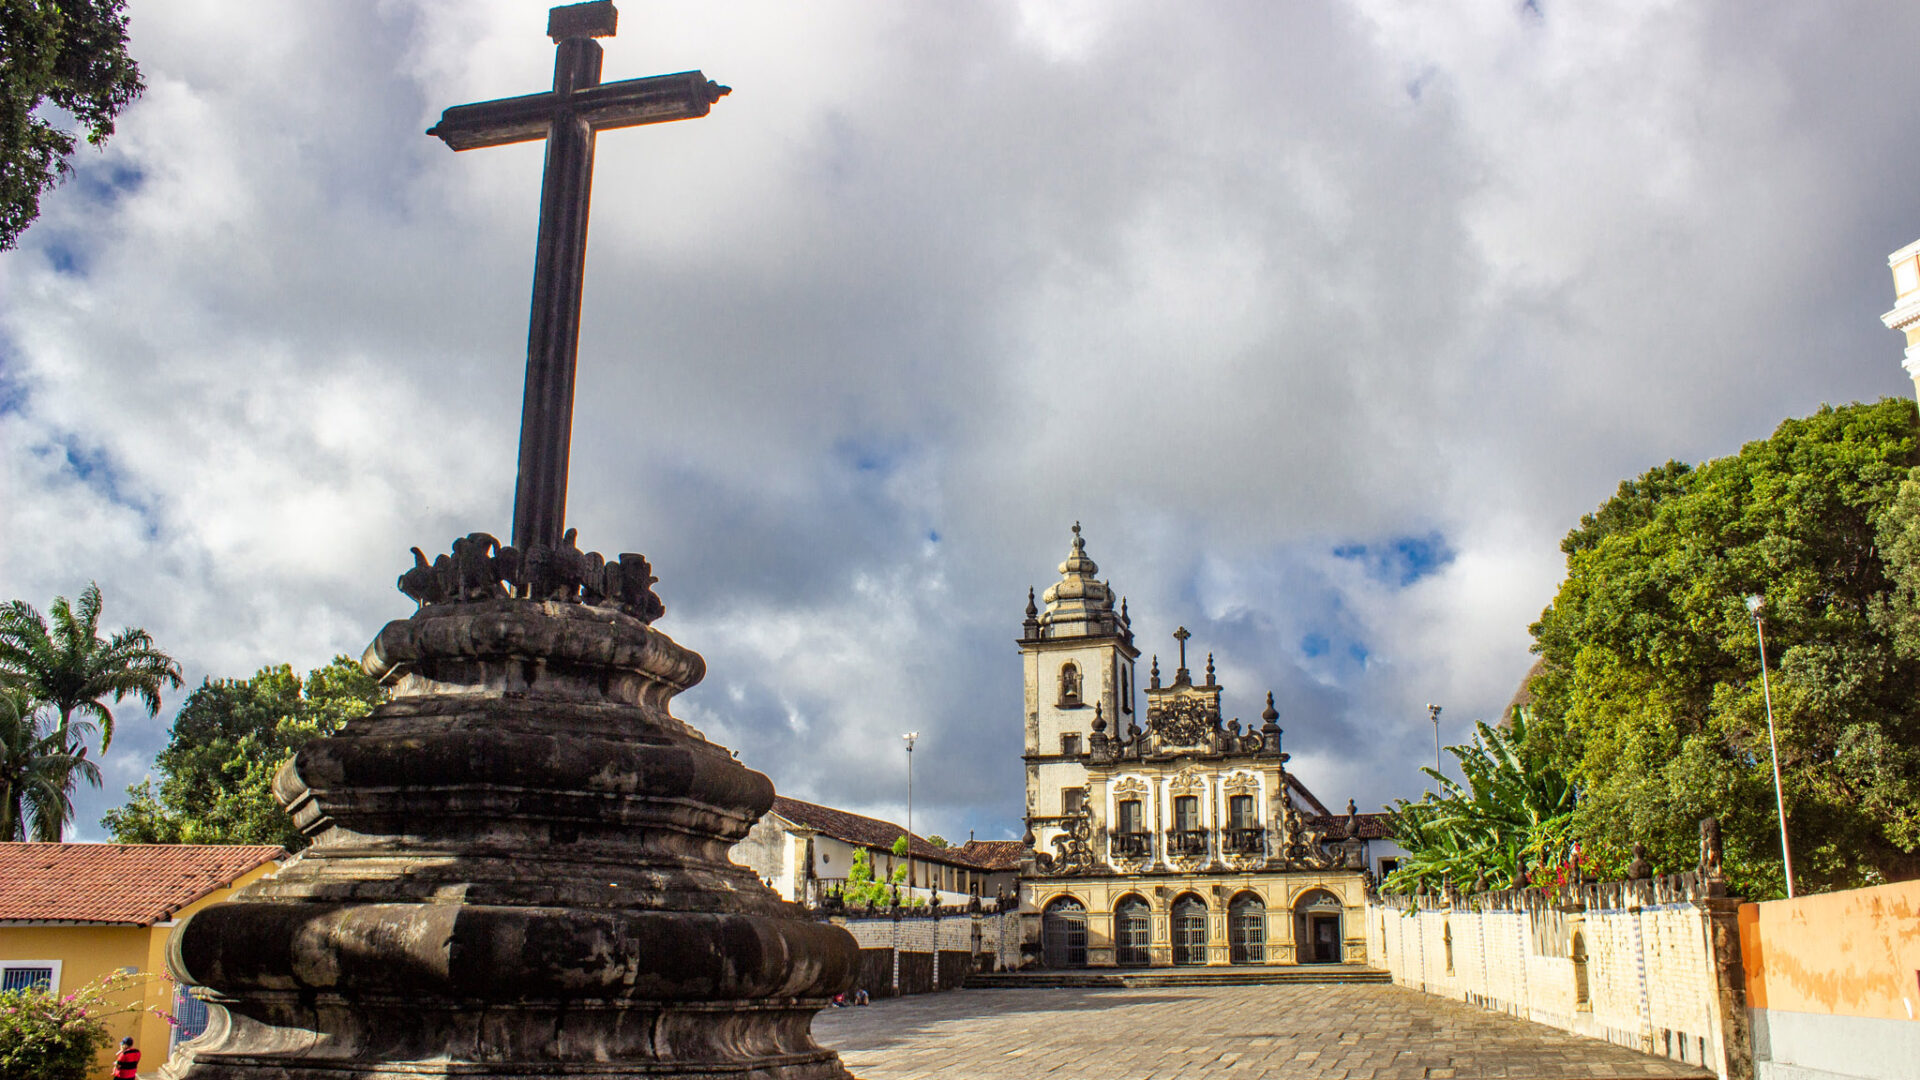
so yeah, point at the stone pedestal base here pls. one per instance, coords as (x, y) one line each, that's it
(519, 869)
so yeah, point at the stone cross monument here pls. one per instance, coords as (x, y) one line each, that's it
(519, 862)
(567, 117)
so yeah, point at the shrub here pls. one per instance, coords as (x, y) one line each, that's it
(46, 1036)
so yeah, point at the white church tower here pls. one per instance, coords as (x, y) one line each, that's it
(1078, 654)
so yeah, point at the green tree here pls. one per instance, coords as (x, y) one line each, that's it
(36, 771)
(231, 736)
(72, 55)
(1512, 814)
(1650, 695)
(67, 667)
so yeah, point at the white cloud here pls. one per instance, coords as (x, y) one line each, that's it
(1235, 285)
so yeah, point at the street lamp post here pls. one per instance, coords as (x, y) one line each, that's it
(1433, 713)
(908, 738)
(1754, 604)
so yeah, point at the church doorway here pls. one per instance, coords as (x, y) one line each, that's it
(1189, 930)
(1317, 916)
(1063, 933)
(1247, 930)
(1130, 932)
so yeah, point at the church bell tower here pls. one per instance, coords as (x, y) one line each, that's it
(1078, 655)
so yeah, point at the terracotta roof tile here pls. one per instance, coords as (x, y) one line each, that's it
(141, 884)
(1372, 826)
(994, 854)
(859, 829)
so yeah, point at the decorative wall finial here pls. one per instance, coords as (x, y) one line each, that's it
(1155, 672)
(1033, 611)
(1209, 669)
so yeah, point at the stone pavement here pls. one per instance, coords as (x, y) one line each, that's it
(1324, 1032)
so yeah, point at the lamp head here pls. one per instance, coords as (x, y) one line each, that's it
(1755, 603)
(909, 737)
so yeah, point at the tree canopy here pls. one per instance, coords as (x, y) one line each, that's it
(1650, 695)
(230, 737)
(72, 55)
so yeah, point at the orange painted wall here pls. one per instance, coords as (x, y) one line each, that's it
(1853, 953)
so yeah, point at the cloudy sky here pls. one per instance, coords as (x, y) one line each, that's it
(1326, 319)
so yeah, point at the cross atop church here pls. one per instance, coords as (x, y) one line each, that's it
(569, 117)
(1180, 675)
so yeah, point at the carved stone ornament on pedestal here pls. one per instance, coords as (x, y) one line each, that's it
(519, 868)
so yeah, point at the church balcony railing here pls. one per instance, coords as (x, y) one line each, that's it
(1187, 842)
(1247, 841)
(1135, 844)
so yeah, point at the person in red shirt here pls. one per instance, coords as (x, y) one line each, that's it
(126, 1064)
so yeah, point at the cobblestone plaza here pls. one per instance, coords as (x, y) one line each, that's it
(1323, 1032)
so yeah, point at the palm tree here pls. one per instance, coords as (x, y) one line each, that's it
(37, 771)
(68, 668)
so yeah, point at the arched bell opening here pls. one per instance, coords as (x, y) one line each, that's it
(1063, 934)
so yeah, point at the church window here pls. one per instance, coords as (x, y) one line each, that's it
(1072, 801)
(1133, 828)
(1189, 930)
(1070, 745)
(1247, 930)
(1130, 931)
(1188, 839)
(1069, 684)
(1243, 828)
(1063, 933)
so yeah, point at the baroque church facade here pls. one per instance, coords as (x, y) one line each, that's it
(1159, 833)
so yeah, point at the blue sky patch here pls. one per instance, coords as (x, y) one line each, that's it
(1402, 560)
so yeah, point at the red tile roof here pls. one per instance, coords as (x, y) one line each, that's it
(994, 854)
(139, 884)
(861, 830)
(1370, 826)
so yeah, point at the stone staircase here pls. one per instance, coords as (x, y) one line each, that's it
(1177, 976)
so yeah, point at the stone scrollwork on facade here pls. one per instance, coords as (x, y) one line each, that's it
(1184, 722)
(1073, 846)
(1296, 843)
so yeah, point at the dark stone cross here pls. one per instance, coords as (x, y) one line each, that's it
(569, 116)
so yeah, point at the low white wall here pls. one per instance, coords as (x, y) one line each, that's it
(1651, 978)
